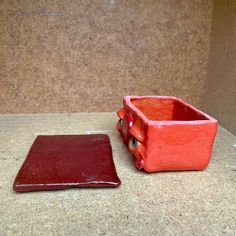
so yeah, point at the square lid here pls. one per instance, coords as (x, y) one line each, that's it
(68, 161)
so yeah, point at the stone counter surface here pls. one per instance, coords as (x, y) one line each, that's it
(168, 203)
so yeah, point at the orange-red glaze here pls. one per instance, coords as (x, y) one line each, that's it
(170, 134)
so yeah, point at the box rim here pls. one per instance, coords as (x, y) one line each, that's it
(128, 103)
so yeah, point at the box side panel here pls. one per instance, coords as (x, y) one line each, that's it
(179, 146)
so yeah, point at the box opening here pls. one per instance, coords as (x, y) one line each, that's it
(164, 109)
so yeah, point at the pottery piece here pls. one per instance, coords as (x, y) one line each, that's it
(68, 161)
(165, 133)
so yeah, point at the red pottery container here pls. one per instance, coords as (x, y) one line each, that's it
(166, 134)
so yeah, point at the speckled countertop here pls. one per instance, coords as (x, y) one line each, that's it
(169, 203)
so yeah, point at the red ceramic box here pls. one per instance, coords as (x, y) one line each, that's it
(164, 133)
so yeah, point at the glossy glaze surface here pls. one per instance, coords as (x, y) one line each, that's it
(66, 161)
(166, 109)
(166, 133)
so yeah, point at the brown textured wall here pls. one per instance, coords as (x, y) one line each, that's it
(66, 56)
(220, 98)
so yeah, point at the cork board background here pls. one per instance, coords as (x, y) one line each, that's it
(68, 56)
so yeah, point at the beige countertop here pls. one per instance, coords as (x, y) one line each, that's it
(168, 203)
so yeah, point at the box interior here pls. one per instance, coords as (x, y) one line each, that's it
(166, 109)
